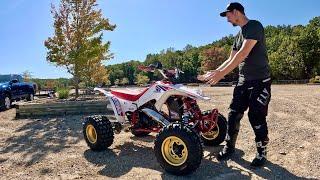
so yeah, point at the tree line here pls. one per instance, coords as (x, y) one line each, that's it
(294, 54)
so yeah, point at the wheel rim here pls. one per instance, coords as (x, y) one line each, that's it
(91, 134)
(174, 151)
(211, 135)
(31, 97)
(7, 102)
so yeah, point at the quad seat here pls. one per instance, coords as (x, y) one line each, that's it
(128, 94)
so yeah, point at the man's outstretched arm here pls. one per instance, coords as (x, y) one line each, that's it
(224, 64)
(209, 74)
(239, 56)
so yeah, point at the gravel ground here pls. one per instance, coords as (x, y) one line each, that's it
(54, 148)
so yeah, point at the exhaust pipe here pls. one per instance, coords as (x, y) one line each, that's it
(156, 116)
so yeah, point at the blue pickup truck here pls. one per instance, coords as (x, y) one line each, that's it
(12, 88)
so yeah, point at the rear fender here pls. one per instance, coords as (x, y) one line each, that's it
(115, 104)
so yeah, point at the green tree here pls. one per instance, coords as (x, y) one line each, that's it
(309, 46)
(287, 62)
(142, 79)
(189, 63)
(115, 72)
(77, 42)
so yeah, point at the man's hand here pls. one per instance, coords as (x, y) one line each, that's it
(207, 76)
(215, 78)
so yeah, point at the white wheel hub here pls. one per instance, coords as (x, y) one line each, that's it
(7, 102)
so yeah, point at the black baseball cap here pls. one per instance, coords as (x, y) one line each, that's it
(231, 7)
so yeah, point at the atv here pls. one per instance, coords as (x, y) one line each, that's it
(165, 108)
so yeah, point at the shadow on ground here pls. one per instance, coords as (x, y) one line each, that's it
(133, 156)
(39, 137)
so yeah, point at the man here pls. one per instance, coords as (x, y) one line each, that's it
(253, 89)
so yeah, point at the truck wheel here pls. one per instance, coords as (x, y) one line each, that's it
(178, 149)
(7, 102)
(30, 97)
(98, 132)
(217, 135)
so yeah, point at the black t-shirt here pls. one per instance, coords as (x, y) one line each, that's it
(255, 66)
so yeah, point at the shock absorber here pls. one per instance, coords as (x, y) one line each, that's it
(186, 118)
(189, 111)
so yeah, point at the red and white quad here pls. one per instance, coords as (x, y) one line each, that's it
(169, 109)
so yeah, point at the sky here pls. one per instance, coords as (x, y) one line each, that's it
(143, 27)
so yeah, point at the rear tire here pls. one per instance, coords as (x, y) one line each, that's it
(98, 132)
(217, 135)
(178, 149)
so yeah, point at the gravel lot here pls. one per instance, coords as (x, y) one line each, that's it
(54, 148)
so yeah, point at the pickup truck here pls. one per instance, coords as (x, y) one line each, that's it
(12, 88)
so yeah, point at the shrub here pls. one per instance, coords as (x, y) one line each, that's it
(63, 93)
(315, 80)
(142, 79)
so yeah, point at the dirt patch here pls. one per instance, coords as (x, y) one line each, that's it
(54, 148)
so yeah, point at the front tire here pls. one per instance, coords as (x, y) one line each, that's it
(98, 132)
(30, 97)
(7, 102)
(217, 135)
(178, 149)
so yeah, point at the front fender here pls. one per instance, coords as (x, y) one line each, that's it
(6, 91)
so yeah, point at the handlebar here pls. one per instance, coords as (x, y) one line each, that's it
(166, 73)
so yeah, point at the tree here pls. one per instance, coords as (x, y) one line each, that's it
(129, 69)
(125, 81)
(287, 62)
(77, 42)
(309, 46)
(96, 74)
(189, 63)
(50, 84)
(212, 58)
(27, 76)
(142, 79)
(117, 82)
(115, 73)
(188, 47)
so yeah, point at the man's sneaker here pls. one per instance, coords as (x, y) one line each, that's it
(225, 153)
(258, 161)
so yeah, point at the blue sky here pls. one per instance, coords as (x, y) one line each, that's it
(143, 26)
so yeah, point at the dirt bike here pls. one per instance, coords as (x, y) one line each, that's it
(166, 108)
